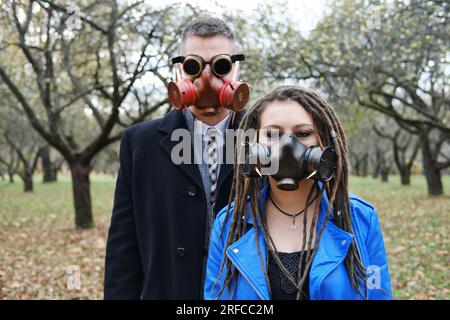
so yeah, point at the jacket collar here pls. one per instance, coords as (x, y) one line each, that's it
(332, 250)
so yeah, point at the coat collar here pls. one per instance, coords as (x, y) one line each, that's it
(175, 119)
(332, 250)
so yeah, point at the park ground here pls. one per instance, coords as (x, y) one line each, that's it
(40, 248)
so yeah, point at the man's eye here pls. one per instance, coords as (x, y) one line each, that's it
(302, 134)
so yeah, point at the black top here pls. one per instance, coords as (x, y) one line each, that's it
(280, 286)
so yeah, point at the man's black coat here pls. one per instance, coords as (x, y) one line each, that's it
(156, 241)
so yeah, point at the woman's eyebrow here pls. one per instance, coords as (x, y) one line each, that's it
(302, 125)
(275, 126)
(272, 126)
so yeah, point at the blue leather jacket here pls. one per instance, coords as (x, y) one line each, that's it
(328, 278)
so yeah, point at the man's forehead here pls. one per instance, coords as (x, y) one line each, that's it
(207, 47)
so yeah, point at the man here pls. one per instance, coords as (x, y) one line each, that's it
(157, 242)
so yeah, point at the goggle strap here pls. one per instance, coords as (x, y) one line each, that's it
(179, 59)
(234, 58)
(237, 57)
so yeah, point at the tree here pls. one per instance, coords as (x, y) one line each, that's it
(85, 66)
(399, 68)
(402, 144)
(50, 167)
(8, 159)
(25, 146)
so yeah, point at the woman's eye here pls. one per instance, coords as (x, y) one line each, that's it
(302, 134)
(270, 134)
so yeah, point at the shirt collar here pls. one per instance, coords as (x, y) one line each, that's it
(201, 128)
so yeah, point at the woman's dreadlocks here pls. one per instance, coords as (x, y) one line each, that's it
(330, 134)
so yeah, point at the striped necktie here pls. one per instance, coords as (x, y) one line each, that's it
(211, 152)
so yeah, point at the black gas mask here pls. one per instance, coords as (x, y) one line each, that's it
(289, 161)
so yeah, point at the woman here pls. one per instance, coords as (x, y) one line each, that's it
(310, 241)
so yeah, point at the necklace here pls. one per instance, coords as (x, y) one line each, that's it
(293, 215)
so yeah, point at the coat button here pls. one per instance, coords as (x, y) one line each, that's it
(236, 250)
(344, 242)
(181, 252)
(192, 191)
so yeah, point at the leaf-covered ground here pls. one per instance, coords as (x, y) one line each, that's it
(40, 249)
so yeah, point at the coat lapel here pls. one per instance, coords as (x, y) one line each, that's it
(176, 120)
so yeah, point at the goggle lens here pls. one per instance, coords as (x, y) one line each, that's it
(222, 67)
(192, 67)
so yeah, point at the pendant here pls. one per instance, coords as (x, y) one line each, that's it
(293, 225)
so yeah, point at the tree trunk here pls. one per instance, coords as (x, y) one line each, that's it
(405, 175)
(384, 175)
(376, 171)
(81, 195)
(432, 173)
(11, 176)
(365, 166)
(47, 166)
(27, 181)
(356, 166)
(55, 174)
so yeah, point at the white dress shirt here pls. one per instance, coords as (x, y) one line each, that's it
(201, 128)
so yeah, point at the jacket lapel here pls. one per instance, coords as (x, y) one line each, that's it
(244, 256)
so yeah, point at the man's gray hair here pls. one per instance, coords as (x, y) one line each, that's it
(207, 27)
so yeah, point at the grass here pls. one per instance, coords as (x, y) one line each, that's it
(39, 244)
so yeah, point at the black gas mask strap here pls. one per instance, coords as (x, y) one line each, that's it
(306, 158)
(327, 184)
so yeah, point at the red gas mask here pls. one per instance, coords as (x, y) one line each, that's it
(193, 83)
